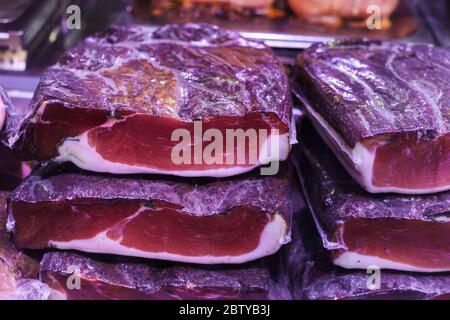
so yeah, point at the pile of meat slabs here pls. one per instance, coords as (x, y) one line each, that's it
(155, 147)
(375, 156)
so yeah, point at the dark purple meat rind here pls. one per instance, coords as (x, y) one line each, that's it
(369, 88)
(163, 280)
(313, 277)
(185, 72)
(334, 196)
(198, 196)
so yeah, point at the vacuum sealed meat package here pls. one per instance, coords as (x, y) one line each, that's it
(186, 100)
(204, 220)
(313, 277)
(401, 232)
(382, 107)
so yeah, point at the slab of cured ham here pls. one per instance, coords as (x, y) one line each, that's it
(207, 221)
(383, 108)
(401, 232)
(313, 277)
(132, 101)
(121, 278)
(18, 271)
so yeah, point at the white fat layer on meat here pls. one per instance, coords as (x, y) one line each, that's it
(357, 161)
(10, 223)
(363, 159)
(353, 260)
(78, 151)
(271, 239)
(441, 219)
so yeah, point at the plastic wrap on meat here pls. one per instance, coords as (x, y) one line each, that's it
(10, 167)
(79, 277)
(401, 232)
(334, 13)
(187, 100)
(383, 108)
(205, 221)
(18, 272)
(313, 277)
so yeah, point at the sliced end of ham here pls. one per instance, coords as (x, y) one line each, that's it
(146, 146)
(411, 163)
(131, 229)
(18, 271)
(409, 245)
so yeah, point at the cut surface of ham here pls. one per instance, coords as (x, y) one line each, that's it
(401, 232)
(205, 221)
(313, 277)
(18, 271)
(127, 101)
(382, 107)
(121, 278)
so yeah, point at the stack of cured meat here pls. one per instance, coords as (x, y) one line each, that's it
(157, 147)
(375, 166)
